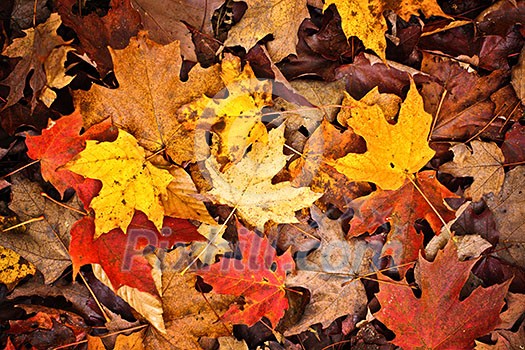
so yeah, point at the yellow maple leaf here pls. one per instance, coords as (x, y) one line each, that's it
(393, 151)
(236, 119)
(129, 182)
(365, 20)
(248, 186)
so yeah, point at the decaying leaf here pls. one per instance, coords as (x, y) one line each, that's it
(328, 272)
(438, 319)
(129, 182)
(258, 277)
(35, 50)
(508, 208)
(45, 242)
(248, 186)
(394, 152)
(281, 18)
(484, 162)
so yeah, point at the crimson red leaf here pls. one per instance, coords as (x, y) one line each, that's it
(258, 277)
(120, 255)
(439, 319)
(60, 143)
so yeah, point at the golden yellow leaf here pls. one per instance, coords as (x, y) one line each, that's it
(365, 20)
(149, 97)
(281, 18)
(248, 186)
(236, 119)
(129, 182)
(393, 151)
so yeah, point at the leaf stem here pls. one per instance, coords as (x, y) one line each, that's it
(45, 195)
(40, 218)
(20, 169)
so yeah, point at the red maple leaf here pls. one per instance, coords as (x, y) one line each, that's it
(60, 143)
(121, 255)
(258, 277)
(439, 319)
(401, 208)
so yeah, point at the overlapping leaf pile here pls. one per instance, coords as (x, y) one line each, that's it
(196, 172)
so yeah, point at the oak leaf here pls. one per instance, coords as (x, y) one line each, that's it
(518, 80)
(259, 277)
(281, 18)
(365, 19)
(439, 319)
(394, 152)
(149, 97)
(129, 182)
(60, 143)
(248, 186)
(35, 49)
(402, 208)
(483, 162)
